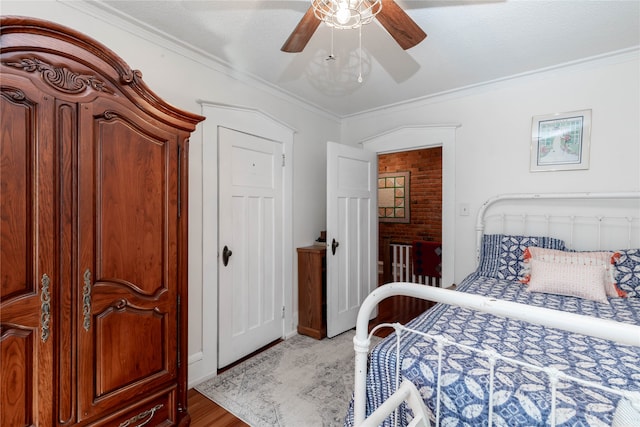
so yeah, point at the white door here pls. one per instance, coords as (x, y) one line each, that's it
(250, 303)
(352, 233)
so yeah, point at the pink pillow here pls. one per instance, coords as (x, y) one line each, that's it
(599, 258)
(577, 280)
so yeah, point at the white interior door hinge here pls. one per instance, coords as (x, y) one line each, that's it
(283, 158)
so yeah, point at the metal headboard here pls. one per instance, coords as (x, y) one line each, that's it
(603, 221)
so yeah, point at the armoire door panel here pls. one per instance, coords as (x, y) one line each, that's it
(16, 197)
(16, 378)
(131, 206)
(28, 273)
(122, 359)
(127, 238)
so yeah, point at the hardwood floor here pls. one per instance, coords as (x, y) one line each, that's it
(206, 413)
(398, 309)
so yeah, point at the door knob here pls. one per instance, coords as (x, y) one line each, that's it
(226, 254)
(334, 245)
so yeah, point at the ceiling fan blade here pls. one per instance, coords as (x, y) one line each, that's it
(302, 33)
(400, 25)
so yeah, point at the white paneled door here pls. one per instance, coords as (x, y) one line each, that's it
(250, 266)
(352, 233)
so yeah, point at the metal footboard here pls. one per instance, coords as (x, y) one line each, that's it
(600, 328)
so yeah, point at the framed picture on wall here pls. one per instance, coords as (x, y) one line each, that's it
(561, 141)
(393, 197)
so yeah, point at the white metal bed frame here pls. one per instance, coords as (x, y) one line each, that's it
(586, 325)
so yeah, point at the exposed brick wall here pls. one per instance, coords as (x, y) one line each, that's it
(426, 195)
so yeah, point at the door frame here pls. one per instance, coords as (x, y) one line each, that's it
(204, 364)
(409, 138)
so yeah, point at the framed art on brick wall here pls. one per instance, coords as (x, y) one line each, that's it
(394, 197)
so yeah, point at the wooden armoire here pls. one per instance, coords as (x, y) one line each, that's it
(93, 236)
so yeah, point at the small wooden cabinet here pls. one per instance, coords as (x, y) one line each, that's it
(312, 291)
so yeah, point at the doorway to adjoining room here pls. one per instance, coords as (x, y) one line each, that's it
(409, 226)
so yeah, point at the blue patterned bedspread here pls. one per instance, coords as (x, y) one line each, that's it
(521, 397)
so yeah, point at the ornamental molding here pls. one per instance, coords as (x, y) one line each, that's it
(60, 78)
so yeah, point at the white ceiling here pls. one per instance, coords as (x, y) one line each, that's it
(468, 43)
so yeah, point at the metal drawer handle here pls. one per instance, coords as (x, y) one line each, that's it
(45, 308)
(149, 413)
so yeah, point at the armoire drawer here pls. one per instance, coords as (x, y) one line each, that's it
(157, 411)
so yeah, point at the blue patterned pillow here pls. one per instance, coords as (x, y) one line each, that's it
(489, 255)
(502, 255)
(628, 272)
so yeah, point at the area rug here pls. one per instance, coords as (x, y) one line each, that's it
(299, 382)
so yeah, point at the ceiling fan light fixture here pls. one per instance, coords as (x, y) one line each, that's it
(346, 14)
(343, 14)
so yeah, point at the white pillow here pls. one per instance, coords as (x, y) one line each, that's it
(577, 280)
(598, 258)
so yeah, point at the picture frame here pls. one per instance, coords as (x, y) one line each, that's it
(394, 197)
(561, 141)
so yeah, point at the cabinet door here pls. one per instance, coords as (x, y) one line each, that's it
(128, 192)
(27, 243)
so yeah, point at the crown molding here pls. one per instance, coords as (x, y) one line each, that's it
(614, 57)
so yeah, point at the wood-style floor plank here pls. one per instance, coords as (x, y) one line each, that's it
(398, 309)
(206, 413)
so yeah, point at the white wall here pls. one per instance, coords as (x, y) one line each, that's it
(182, 78)
(492, 144)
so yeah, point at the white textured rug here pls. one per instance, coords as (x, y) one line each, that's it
(299, 382)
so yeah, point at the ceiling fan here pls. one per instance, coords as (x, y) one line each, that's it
(395, 20)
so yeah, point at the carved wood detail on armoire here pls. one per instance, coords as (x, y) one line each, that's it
(93, 237)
